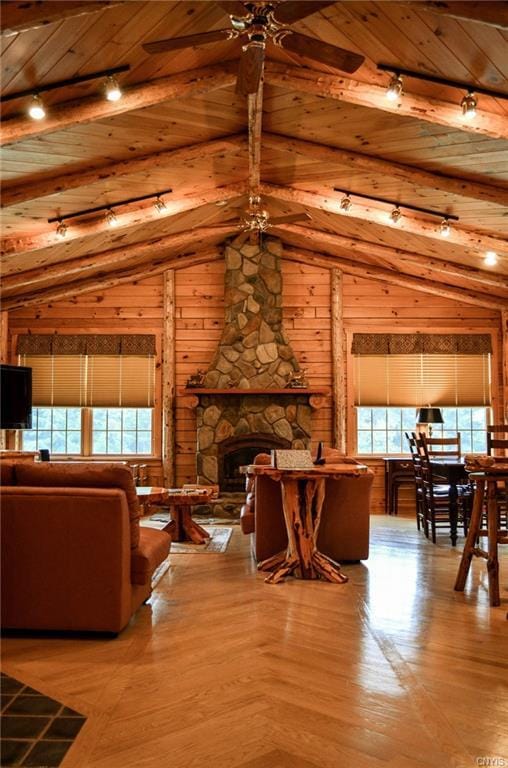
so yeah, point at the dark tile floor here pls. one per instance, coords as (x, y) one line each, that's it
(35, 730)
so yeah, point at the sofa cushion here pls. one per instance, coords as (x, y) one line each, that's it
(84, 475)
(152, 549)
(7, 473)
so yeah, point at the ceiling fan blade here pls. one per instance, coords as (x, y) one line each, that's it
(289, 219)
(288, 12)
(174, 43)
(250, 70)
(347, 61)
(233, 7)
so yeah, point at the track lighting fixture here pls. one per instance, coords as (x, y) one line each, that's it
(345, 203)
(36, 108)
(159, 205)
(468, 105)
(490, 259)
(112, 89)
(111, 218)
(394, 91)
(61, 229)
(395, 215)
(445, 227)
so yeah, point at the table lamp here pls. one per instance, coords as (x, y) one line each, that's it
(428, 417)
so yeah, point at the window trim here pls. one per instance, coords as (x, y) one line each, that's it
(87, 438)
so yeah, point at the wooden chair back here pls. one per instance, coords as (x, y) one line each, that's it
(441, 447)
(497, 438)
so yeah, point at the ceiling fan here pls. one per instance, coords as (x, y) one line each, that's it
(255, 220)
(262, 22)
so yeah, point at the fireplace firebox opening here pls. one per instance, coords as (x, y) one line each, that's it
(238, 451)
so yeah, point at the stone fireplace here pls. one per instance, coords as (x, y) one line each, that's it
(244, 405)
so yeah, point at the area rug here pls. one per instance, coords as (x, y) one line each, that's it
(216, 544)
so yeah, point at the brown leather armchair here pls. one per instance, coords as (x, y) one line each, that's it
(344, 529)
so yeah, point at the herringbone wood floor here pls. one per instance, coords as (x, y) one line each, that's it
(392, 670)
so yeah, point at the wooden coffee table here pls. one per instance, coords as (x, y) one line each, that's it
(181, 526)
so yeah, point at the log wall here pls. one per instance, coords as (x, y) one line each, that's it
(368, 305)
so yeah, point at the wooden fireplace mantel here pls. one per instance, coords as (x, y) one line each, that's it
(316, 395)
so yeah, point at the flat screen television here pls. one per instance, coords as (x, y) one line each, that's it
(16, 397)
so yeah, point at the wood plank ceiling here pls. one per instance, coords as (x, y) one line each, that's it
(181, 126)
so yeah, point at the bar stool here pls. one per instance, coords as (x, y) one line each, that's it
(487, 485)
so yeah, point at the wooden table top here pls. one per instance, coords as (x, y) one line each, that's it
(193, 496)
(327, 470)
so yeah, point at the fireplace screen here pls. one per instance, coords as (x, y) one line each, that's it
(240, 451)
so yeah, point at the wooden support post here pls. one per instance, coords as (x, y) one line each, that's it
(168, 381)
(504, 357)
(338, 362)
(4, 337)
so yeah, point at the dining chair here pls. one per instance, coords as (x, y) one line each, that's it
(421, 517)
(436, 488)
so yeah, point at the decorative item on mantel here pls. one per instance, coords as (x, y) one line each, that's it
(196, 379)
(297, 380)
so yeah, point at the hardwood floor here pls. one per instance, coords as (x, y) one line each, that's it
(393, 669)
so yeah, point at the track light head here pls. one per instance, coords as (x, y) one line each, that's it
(159, 205)
(345, 203)
(395, 215)
(394, 90)
(61, 229)
(445, 227)
(112, 89)
(490, 259)
(36, 108)
(468, 105)
(111, 218)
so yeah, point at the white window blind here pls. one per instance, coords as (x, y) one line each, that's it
(420, 380)
(57, 380)
(121, 381)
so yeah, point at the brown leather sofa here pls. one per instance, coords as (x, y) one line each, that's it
(344, 529)
(73, 554)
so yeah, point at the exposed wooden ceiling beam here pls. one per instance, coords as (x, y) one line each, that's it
(99, 283)
(377, 214)
(374, 97)
(132, 218)
(30, 281)
(21, 16)
(80, 111)
(395, 278)
(255, 102)
(493, 14)
(397, 258)
(43, 185)
(382, 168)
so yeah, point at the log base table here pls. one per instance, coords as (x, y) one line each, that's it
(181, 526)
(303, 494)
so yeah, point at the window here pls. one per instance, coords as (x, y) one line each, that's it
(381, 430)
(57, 429)
(91, 431)
(121, 430)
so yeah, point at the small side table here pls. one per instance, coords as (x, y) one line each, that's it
(486, 486)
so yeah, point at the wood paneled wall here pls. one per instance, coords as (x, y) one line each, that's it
(368, 306)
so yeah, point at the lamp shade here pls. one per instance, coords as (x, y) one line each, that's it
(430, 416)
